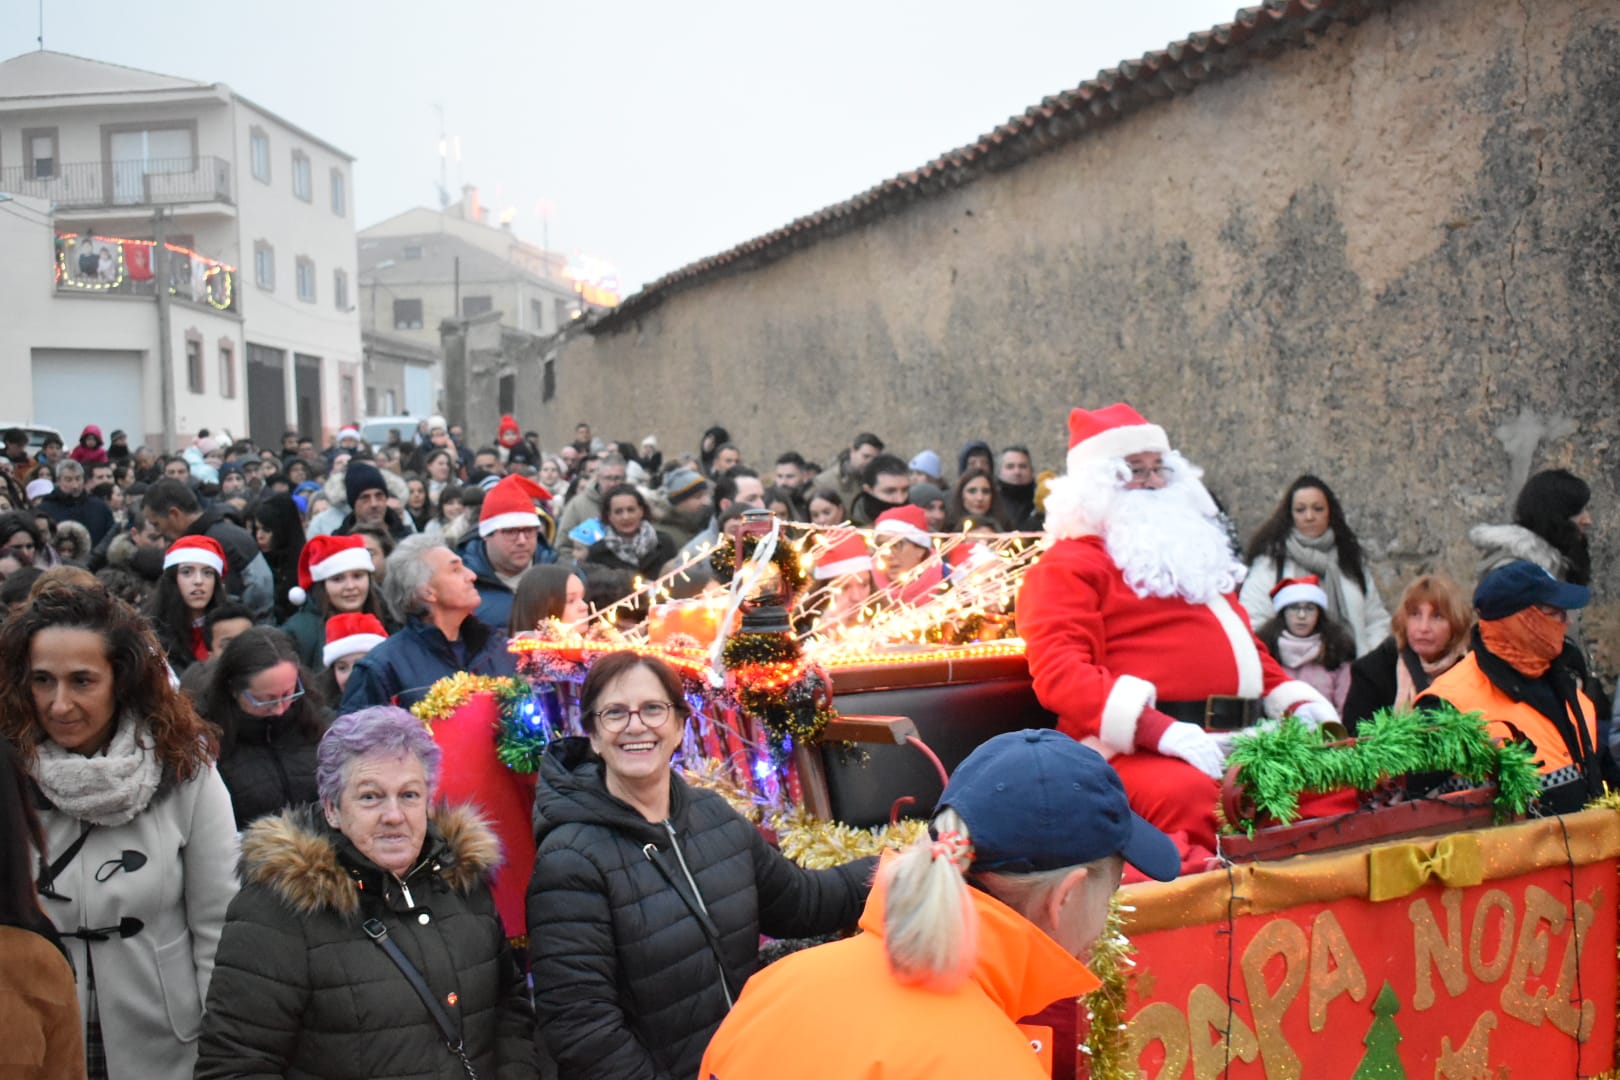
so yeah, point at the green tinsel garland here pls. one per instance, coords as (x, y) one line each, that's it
(518, 742)
(1277, 764)
(1107, 1045)
(785, 558)
(744, 649)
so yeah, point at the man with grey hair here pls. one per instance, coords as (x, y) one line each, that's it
(69, 502)
(428, 587)
(586, 505)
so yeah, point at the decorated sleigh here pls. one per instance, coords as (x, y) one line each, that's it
(1449, 937)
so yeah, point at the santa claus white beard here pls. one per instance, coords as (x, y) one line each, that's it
(1165, 543)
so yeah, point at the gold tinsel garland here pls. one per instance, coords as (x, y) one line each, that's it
(451, 693)
(1107, 1045)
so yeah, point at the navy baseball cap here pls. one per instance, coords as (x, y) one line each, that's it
(1037, 800)
(1510, 589)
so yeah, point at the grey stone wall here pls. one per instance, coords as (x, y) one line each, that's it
(1390, 257)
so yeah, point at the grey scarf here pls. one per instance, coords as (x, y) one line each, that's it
(1320, 557)
(107, 789)
(631, 550)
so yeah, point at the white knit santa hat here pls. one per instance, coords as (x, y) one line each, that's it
(1299, 590)
(328, 556)
(201, 550)
(1116, 431)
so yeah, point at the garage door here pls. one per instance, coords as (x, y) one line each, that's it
(75, 387)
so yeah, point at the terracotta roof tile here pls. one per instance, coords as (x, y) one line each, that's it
(1254, 33)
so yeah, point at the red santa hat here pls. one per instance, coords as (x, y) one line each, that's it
(1113, 432)
(1299, 590)
(351, 632)
(845, 555)
(508, 434)
(328, 556)
(905, 522)
(201, 550)
(348, 431)
(510, 505)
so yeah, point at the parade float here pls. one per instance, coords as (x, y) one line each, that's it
(1457, 936)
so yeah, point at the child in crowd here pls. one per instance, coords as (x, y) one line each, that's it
(1311, 646)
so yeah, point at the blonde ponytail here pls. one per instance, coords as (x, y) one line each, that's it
(929, 922)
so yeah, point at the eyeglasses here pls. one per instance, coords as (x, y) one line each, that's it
(1159, 472)
(275, 702)
(654, 714)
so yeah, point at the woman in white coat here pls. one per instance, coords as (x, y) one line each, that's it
(140, 841)
(1307, 534)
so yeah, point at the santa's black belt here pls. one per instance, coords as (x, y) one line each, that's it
(1218, 712)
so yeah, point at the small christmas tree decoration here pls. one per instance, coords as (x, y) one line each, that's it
(1382, 1061)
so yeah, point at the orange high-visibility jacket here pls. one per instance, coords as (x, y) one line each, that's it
(835, 1010)
(1467, 687)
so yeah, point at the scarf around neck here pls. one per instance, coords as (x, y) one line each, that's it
(1296, 652)
(106, 789)
(631, 550)
(1320, 556)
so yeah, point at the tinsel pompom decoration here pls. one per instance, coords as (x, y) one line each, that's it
(523, 730)
(451, 692)
(1277, 763)
(743, 649)
(723, 561)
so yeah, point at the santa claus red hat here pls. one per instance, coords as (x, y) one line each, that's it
(348, 431)
(905, 522)
(1299, 590)
(510, 505)
(846, 554)
(201, 550)
(328, 556)
(1113, 432)
(351, 632)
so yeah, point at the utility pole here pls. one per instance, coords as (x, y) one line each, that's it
(160, 274)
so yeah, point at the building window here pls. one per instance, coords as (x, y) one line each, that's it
(537, 315)
(303, 185)
(227, 369)
(506, 393)
(407, 314)
(346, 396)
(340, 290)
(194, 364)
(306, 279)
(476, 305)
(548, 379)
(340, 193)
(264, 265)
(40, 150)
(371, 400)
(560, 306)
(413, 251)
(259, 151)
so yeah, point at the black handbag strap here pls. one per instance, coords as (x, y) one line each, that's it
(45, 885)
(706, 924)
(378, 933)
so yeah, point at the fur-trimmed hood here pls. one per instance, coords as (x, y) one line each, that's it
(1501, 544)
(314, 868)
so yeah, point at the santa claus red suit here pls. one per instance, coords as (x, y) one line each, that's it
(1133, 605)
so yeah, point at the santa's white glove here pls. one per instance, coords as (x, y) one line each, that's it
(1195, 746)
(1316, 713)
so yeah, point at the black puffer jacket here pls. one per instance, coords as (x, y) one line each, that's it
(299, 990)
(269, 763)
(626, 984)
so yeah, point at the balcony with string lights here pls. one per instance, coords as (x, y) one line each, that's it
(91, 265)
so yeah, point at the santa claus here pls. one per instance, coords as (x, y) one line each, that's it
(1134, 634)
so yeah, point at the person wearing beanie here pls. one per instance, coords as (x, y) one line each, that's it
(907, 568)
(687, 492)
(367, 491)
(1530, 684)
(89, 451)
(975, 454)
(347, 442)
(349, 636)
(984, 921)
(193, 569)
(928, 498)
(925, 469)
(336, 576)
(513, 534)
(1135, 641)
(513, 448)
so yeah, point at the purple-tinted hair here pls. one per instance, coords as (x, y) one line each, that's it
(383, 731)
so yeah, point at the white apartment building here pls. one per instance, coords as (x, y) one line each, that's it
(114, 172)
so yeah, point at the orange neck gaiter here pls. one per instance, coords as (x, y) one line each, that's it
(1529, 640)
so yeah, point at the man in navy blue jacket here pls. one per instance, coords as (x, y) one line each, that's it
(428, 584)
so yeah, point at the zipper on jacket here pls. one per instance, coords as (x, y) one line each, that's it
(675, 846)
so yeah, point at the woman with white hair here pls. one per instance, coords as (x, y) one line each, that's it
(365, 940)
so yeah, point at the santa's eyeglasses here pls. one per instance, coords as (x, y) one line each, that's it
(1152, 472)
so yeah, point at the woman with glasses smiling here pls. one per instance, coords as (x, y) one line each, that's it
(649, 896)
(269, 728)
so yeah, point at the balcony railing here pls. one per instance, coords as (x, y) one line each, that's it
(147, 182)
(110, 266)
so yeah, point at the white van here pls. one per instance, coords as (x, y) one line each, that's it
(374, 430)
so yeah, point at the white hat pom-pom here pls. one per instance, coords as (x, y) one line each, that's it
(297, 596)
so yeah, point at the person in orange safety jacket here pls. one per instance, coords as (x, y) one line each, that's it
(964, 933)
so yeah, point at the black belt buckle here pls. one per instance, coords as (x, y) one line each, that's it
(1228, 712)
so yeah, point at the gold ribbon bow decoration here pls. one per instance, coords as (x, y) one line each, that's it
(1401, 869)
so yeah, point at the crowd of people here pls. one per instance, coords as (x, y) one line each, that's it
(209, 655)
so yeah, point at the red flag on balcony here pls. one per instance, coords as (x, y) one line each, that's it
(138, 261)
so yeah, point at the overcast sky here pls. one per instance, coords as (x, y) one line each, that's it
(655, 133)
